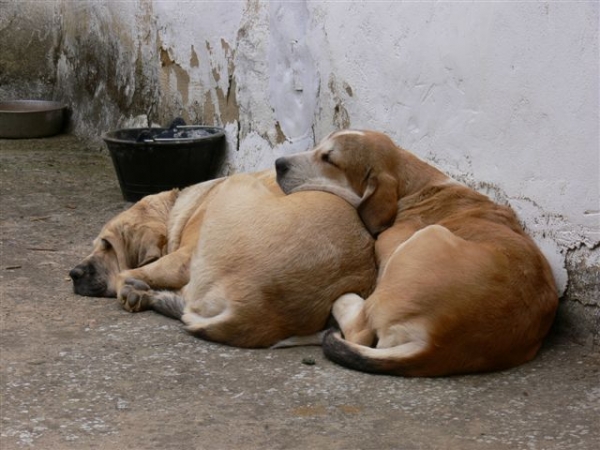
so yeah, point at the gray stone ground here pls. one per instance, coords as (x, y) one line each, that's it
(80, 373)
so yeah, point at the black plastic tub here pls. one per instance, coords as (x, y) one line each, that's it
(147, 163)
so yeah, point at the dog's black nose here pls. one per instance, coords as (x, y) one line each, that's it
(77, 273)
(281, 166)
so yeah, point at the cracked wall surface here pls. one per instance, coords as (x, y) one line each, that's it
(502, 96)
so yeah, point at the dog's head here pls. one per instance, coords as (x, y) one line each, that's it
(134, 238)
(359, 166)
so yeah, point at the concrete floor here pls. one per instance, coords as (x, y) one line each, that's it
(80, 373)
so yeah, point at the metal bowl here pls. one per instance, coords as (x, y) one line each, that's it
(22, 119)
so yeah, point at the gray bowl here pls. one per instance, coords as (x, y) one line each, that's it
(31, 119)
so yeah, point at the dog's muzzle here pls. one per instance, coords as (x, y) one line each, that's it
(88, 282)
(282, 166)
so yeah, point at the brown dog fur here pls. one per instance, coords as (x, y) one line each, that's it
(461, 288)
(254, 267)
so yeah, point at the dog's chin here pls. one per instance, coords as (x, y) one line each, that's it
(284, 183)
(319, 185)
(290, 184)
(93, 289)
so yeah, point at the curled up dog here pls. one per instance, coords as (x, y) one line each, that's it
(461, 288)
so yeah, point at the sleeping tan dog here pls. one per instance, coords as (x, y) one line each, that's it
(258, 267)
(460, 289)
(152, 241)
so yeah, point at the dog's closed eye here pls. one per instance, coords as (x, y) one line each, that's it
(326, 157)
(147, 261)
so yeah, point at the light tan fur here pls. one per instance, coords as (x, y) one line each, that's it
(461, 288)
(152, 241)
(239, 262)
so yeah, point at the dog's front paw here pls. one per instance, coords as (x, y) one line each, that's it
(135, 295)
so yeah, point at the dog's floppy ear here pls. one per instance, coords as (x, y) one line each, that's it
(120, 250)
(149, 241)
(150, 245)
(379, 203)
(140, 245)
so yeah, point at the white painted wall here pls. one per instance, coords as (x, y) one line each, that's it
(502, 95)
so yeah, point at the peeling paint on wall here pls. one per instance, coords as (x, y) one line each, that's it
(341, 118)
(579, 312)
(293, 80)
(175, 82)
(227, 98)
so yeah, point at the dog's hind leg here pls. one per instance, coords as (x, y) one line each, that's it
(348, 311)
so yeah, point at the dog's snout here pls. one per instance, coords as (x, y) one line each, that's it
(90, 282)
(282, 165)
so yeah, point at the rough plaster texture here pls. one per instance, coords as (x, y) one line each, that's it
(501, 95)
(96, 57)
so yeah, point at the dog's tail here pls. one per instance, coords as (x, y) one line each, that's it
(408, 359)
